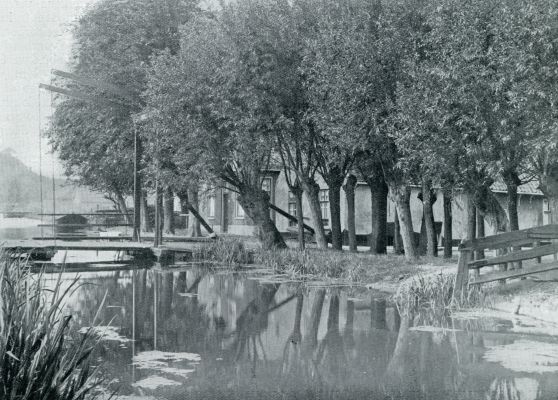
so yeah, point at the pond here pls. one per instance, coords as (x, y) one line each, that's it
(201, 333)
(198, 332)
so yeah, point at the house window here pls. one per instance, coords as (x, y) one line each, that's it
(238, 210)
(211, 206)
(324, 205)
(266, 187)
(292, 208)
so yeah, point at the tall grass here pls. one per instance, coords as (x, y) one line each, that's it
(39, 357)
(430, 296)
(352, 267)
(226, 250)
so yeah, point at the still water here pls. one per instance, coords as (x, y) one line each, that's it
(218, 335)
(196, 332)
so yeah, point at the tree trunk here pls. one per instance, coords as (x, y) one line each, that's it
(548, 181)
(397, 240)
(512, 206)
(422, 243)
(378, 234)
(349, 189)
(553, 207)
(312, 191)
(256, 204)
(158, 226)
(145, 219)
(471, 217)
(480, 233)
(448, 233)
(122, 207)
(300, 218)
(401, 196)
(168, 211)
(335, 214)
(428, 200)
(194, 227)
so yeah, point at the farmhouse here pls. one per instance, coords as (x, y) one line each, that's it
(225, 215)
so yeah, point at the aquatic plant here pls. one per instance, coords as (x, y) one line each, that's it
(225, 250)
(430, 296)
(40, 357)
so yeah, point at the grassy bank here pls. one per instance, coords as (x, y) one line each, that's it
(40, 357)
(361, 267)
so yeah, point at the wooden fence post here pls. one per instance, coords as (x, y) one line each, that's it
(462, 278)
(537, 244)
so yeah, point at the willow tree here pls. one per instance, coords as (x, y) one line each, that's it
(94, 148)
(468, 104)
(114, 43)
(353, 67)
(222, 98)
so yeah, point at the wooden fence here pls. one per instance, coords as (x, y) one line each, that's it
(541, 241)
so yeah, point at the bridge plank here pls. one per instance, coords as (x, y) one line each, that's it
(63, 245)
(185, 239)
(496, 276)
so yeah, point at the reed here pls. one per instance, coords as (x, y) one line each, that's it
(352, 267)
(431, 295)
(40, 358)
(228, 250)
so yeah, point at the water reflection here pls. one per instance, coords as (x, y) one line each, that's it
(223, 336)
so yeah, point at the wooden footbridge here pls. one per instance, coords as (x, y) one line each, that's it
(44, 250)
(541, 241)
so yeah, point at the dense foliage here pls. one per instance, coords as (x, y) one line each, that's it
(433, 93)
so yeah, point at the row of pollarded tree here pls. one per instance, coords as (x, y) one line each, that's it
(436, 92)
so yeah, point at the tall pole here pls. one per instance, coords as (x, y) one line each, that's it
(41, 164)
(137, 187)
(157, 240)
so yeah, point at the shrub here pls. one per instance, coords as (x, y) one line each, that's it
(39, 358)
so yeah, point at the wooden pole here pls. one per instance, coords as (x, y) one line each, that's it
(200, 218)
(136, 236)
(462, 277)
(290, 217)
(157, 240)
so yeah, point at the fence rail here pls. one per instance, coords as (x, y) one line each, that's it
(510, 258)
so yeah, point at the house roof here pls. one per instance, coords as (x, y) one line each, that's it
(529, 188)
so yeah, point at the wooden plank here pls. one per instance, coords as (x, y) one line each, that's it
(84, 245)
(105, 214)
(62, 225)
(69, 269)
(109, 87)
(514, 238)
(185, 239)
(83, 96)
(495, 276)
(515, 256)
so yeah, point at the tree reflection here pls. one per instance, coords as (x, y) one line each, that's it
(291, 351)
(330, 349)
(251, 323)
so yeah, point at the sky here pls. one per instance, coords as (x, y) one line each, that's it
(35, 37)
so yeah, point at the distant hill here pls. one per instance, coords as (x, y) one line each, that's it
(20, 190)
